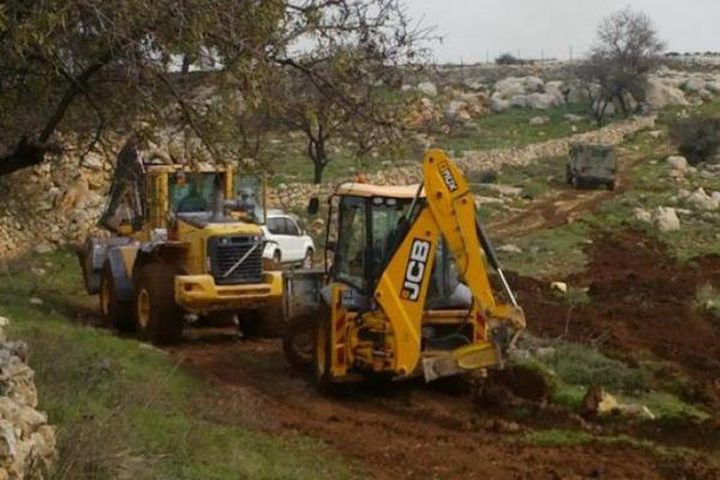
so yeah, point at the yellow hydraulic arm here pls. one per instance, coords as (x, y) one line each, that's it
(448, 211)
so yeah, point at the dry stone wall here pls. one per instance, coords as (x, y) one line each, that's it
(59, 202)
(27, 441)
(294, 196)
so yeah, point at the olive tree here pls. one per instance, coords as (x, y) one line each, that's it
(199, 70)
(626, 50)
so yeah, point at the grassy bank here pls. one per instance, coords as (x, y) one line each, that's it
(124, 410)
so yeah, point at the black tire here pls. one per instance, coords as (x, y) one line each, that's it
(299, 340)
(307, 263)
(159, 318)
(114, 313)
(611, 185)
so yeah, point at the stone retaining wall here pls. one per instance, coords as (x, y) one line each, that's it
(27, 441)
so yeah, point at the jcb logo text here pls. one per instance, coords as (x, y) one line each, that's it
(415, 271)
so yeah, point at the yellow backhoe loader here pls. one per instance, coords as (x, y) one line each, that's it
(406, 290)
(185, 244)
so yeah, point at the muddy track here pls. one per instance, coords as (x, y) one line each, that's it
(400, 431)
(564, 207)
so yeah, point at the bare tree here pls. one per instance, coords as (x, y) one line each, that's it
(627, 49)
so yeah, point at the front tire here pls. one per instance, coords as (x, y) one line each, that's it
(159, 318)
(115, 314)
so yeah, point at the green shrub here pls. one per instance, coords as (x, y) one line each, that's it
(581, 365)
(697, 138)
(508, 59)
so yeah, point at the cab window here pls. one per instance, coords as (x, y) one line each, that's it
(193, 192)
(351, 245)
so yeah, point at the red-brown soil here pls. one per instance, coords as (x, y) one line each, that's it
(641, 301)
(405, 431)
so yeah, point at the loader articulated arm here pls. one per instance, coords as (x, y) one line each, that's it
(447, 212)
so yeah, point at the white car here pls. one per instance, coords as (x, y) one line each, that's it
(287, 241)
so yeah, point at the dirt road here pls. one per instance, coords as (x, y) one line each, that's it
(405, 431)
(564, 206)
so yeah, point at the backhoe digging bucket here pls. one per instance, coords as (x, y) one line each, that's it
(464, 359)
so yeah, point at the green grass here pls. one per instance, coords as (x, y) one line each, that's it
(125, 410)
(553, 254)
(512, 129)
(567, 437)
(286, 153)
(572, 368)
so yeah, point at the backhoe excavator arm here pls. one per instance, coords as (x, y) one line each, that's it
(447, 212)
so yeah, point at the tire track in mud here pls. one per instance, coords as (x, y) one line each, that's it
(564, 207)
(399, 431)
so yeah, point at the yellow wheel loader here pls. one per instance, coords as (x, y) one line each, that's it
(406, 290)
(185, 245)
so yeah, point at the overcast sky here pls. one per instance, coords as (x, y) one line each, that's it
(476, 29)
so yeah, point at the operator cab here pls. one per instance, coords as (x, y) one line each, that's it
(367, 227)
(200, 197)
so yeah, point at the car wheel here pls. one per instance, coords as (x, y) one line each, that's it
(308, 260)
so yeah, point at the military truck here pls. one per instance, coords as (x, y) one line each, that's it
(591, 165)
(185, 243)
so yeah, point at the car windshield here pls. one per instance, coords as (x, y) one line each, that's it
(193, 192)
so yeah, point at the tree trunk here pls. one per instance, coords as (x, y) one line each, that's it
(319, 168)
(29, 153)
(317, 152)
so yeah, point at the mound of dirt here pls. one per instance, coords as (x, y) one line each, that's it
(642, 300)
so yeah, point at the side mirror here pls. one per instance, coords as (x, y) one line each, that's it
(313, 206)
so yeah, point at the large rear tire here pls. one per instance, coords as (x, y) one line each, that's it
(159, 318)
(115, 314)
(299, 340)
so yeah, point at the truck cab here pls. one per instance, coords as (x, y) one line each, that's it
(183, 241)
